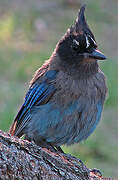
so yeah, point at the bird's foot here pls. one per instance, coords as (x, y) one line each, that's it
(59, 149)
(69, 156)
(50, 147)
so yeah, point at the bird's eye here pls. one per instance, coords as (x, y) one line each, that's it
(75, 44)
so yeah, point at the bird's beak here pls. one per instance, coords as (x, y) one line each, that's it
(96, 54)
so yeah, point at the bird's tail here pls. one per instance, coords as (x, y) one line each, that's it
(13, 128)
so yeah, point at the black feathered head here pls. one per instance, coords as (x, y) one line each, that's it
(79, 42)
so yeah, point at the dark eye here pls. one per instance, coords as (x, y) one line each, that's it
(75, 44)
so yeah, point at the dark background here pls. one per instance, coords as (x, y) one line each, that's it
(29, 31)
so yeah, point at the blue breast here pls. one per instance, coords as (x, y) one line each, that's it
(74, 124)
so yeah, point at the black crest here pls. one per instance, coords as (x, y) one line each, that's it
(78, 42)
(80, 26)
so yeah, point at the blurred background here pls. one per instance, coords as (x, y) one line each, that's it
(29, 31)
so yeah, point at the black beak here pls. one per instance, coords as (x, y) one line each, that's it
(96, 54)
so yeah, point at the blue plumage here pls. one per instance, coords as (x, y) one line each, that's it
(36, 95)
(65, 100)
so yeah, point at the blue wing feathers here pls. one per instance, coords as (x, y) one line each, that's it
(30, 93)
(37, 94)
(46, 94)
(34, 94)
(20, 126)
(40, 90)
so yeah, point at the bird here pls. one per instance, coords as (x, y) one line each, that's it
(66, 95)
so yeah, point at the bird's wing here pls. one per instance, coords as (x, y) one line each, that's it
(38, 94)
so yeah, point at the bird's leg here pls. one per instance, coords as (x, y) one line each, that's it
(69, 156)
(42, 144)
(51, 147)
(59, 149)
(47, 145)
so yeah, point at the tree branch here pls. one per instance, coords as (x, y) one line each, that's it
(20, 159)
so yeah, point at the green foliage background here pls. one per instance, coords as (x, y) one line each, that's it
(29, 31)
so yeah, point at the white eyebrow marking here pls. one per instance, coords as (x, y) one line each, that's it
(92, 39)
(77, 42)
(87, 42)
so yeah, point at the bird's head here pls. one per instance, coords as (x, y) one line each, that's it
(79, 43)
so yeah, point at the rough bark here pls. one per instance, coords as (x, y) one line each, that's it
(20, 159)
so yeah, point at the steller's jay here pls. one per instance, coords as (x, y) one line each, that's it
(66, 95)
